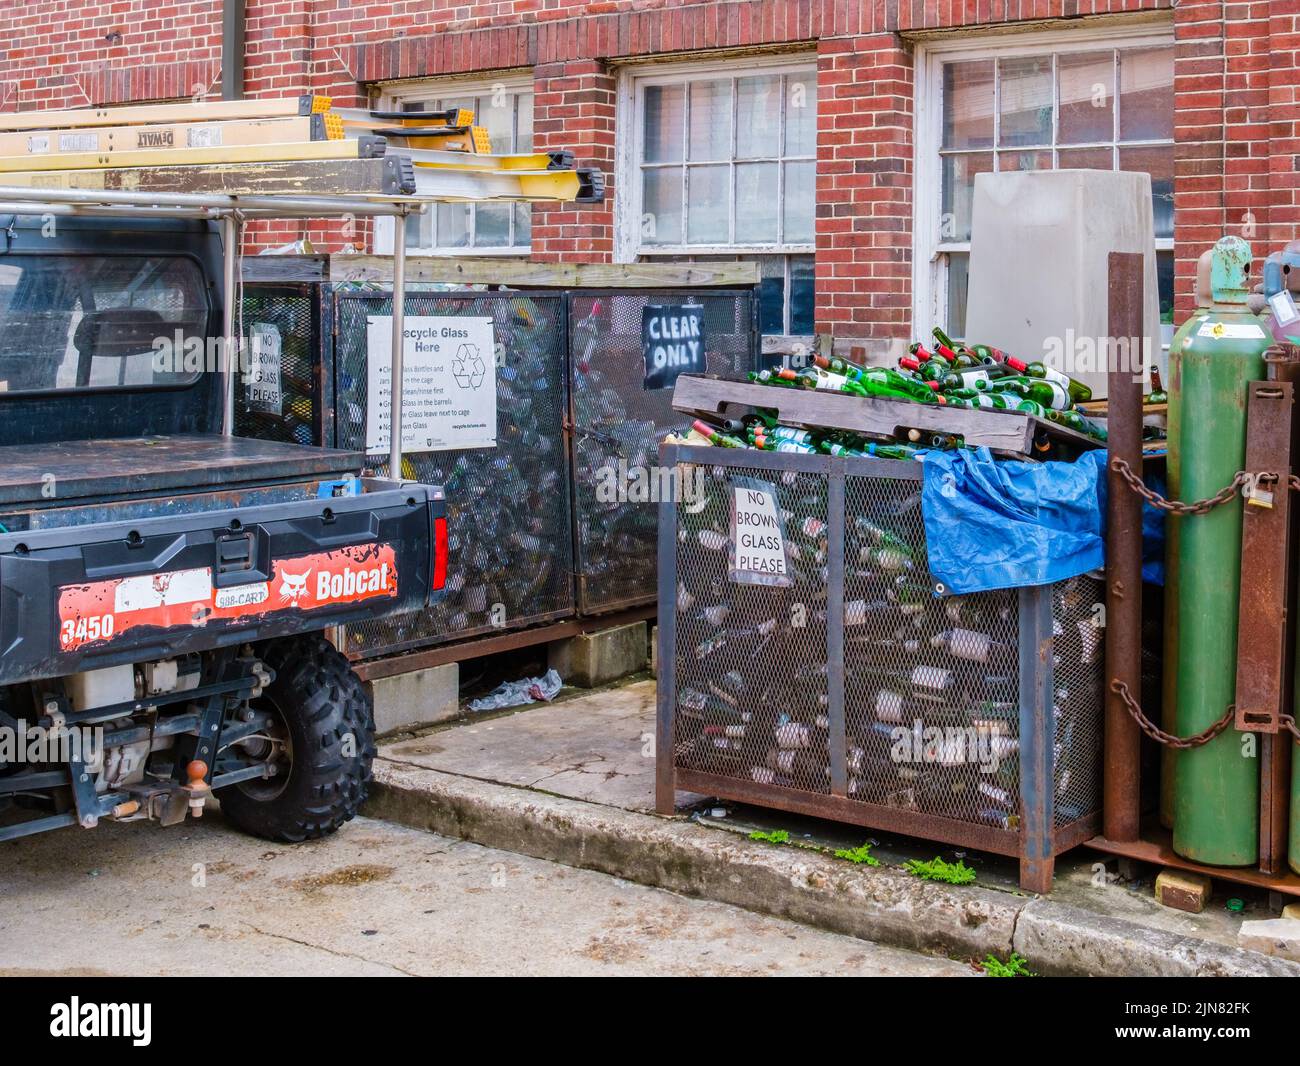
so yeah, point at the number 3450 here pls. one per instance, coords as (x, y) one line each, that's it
(84, 629)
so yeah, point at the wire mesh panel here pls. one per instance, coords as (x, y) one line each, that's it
(752, 660)
(932, 699)
(620, 423)
(850, 690)
(1078, 647)
(278, 391)
(508, 511)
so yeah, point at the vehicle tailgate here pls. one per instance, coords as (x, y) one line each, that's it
(84, 597)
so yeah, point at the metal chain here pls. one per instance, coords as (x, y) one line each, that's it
(1168, 739)
(1177, 506)
(1288, 723)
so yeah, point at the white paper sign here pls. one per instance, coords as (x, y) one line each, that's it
(757, 535)
(449, 384)
(264, 389)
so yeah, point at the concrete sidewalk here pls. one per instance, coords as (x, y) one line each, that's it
(573, 782)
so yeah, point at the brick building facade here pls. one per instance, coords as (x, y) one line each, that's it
(835, 140)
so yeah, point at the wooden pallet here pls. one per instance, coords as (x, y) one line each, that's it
(1005, 432)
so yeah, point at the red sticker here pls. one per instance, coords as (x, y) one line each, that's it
(101, 611)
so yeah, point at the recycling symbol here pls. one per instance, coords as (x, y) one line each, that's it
(468, 367)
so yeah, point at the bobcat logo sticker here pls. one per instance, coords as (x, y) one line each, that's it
(293, 586)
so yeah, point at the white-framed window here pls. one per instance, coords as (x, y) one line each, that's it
(718, 161)
(1101, 98)
(505, 106)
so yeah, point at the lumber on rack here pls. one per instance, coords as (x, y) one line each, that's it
(385, 178)
(196, 111)
(349, 148)
(155, 136)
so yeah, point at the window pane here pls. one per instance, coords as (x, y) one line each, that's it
(968, 104)
(1087, 98)
(801, 295)
(1025, 160)
(1146, 94)
(1085, 159)
(523, 224)
(524, 140)
(664, 119)
(758, 116)
(708, 202)
(492, 226)
(453, 225)
(771, 295)
(497, 112)
(756, 202)
(801, 113)
(1025, 95)
(1165, 285)
(800, 196)
(661, 206)
(710, 136)
(958, 189)
(958, 286)
(419, 230)
(1158, 161)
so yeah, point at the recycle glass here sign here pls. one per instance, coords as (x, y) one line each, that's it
(449, 383)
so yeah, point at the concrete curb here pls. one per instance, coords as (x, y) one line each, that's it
(1061, 939)
(872, 903)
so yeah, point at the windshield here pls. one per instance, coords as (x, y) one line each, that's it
(97, 322)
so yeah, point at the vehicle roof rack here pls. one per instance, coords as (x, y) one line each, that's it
(127, 161)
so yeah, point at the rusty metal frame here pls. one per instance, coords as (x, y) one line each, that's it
(1121, 787)
(1265, 554)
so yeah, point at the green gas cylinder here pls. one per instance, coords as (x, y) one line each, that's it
(1212, 359)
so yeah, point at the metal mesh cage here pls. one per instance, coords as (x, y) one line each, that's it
(619, 425)
(508, 512)
(855, 683)
(283, 406)
(751, 674)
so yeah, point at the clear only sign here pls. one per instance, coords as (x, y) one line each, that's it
(672, 340)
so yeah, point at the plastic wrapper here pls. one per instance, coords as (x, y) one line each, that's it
(520, 693)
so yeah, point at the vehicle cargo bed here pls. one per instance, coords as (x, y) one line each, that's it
(77, 470)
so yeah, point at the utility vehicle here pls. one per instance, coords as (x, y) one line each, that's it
(166, 588)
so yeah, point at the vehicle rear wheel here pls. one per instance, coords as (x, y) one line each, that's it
(324, 738)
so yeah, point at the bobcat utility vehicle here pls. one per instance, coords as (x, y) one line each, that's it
(165, 585)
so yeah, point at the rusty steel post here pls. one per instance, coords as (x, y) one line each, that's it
(1279, 450)
(1121, 809)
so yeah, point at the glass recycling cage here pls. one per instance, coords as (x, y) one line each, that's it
(851, 690)
(619, 424)
(509, 527)
(553, 523)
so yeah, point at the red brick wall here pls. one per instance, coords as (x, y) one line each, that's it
(1236, 134)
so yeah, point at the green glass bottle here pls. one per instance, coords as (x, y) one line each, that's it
(1045, 392)
(718, 440)
(1077, 390)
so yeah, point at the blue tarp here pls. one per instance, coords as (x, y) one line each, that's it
(992, 523)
